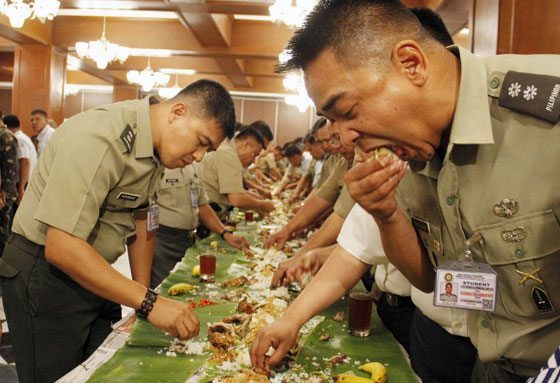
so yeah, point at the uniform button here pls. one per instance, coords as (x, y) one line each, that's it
(519, 252)
(494, 83)
(450, 200)
(485, 323)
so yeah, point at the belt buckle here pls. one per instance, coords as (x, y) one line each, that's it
(392, 299)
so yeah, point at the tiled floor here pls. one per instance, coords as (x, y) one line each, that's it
(7, 361)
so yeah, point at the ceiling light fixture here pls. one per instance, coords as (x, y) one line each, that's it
(147, 78)
(166, 93)
(18, 11)
(102, 51)
(293, 82)
(291, 12)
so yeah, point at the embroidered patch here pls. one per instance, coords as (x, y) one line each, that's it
(535, 94)
(128, 136)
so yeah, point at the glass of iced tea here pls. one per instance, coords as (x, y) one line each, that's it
(207, 267)
(359, 313)
(248, 216)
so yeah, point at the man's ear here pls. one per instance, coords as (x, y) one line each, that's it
(410, 60)
(178, 110)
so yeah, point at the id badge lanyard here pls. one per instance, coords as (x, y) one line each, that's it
(152, 220)
(466, 284)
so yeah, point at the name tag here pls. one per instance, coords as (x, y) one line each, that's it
(128, 196)
(152, 220)
(194, 197)
(466, 285)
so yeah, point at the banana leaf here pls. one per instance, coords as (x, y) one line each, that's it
(140, 361)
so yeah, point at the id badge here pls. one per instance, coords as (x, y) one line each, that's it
(194, 197)
(152, 220)
(466, 285)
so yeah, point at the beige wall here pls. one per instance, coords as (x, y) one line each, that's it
(84, 100)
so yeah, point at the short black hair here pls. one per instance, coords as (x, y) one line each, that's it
(358, 31)
(11, 121)
(250, 132)
(433, 23)
(39, 111)
(309, 138)
(264, 129)
(292, 150)
(318, 125)
(214, 101)
(239, 126)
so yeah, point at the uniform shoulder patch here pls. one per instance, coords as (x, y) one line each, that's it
(534, 94)
(128, 136)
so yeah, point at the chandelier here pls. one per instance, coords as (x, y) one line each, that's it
(18, 11)
(147, 78)
(102, 51)
(293, 82)
(293, 15)
(166, 93)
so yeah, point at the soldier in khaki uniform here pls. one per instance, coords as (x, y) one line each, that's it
(476, 132)
(8, 181)
(183, 202)
(222, 174)
(326, 195)
(92, 193)
(310, 178)
(293, 173)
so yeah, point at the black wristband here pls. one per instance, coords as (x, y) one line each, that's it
(147, 304)
(224, 232)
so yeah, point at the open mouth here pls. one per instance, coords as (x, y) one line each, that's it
(388, 150)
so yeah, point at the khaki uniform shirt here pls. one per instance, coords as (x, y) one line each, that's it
(330, 189)
(97, 170)
(328, 163)
(344, 203)
(222, 174)
(181, 193)
(292, 174)
(283, 164)
(266, 163)
(494, 154)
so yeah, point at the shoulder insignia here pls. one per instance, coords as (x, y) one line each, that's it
(534, 94)
(128, 136)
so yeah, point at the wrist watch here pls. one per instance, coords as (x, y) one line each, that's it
(224, 232)
(147, 304)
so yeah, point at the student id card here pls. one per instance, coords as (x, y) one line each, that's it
(466, 285)
(152, 220)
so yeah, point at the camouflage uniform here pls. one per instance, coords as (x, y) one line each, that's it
(9, 177)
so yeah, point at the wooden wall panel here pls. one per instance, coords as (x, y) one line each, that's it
(532, 28)
(485, 27)
(6, 101)
(291, 123)
(237, 104)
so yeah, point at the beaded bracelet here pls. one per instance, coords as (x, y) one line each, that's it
(147, 304)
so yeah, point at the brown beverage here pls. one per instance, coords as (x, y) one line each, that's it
(207, 267)
(249, 216)
(359, 314)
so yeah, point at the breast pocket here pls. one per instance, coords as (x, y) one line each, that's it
(431, 237)
(126, 198)
(525, 253)
(172, 194)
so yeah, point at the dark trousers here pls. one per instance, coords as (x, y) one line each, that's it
(436, 355)
(494, 372)
(170, 247)
(55, 324)
(396, 314)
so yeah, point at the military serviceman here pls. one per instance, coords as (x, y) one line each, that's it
(222, 174)
(472, 129)
(182, 202)
(40, 124)
(327, 194)
(93, 192)
(293, 173)
(8, 181)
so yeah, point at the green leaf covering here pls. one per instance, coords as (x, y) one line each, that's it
(140, 362)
